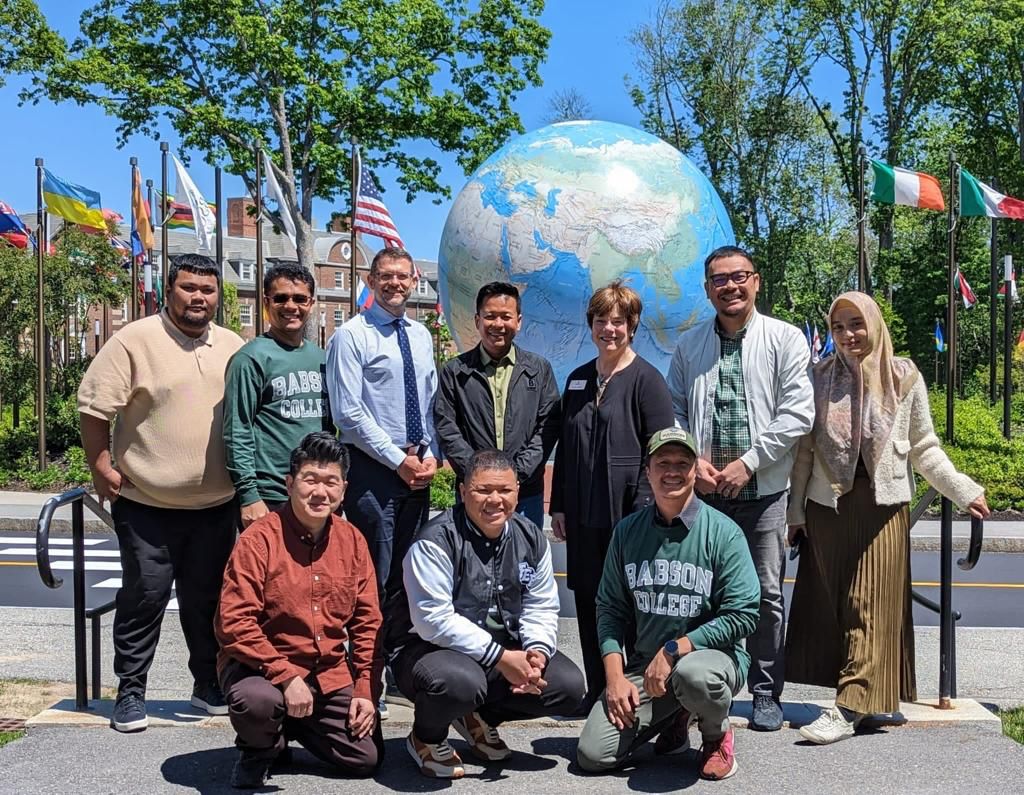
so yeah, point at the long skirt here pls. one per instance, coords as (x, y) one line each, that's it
(850, 623)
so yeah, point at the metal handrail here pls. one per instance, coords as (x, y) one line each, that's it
(43, 535)
(974, 547)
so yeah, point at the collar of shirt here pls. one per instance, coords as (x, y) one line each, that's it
(180, 336)
(686, 517)
(291, 524)
(379, 316)
(738, 336)
(509, 357)
(479, 532)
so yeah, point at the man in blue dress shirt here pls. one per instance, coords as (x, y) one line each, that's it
(381, 382)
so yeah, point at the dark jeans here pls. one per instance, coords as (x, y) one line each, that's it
(160, 547)
(263, 727)
(445, 685)
(763, 522)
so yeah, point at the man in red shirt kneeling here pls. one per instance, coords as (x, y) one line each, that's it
(299, 585)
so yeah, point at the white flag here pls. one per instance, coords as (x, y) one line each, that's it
(274, 191)
(202, 216)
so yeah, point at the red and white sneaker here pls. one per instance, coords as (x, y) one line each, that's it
(717, 758)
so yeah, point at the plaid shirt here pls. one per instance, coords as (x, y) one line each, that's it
(730, 429)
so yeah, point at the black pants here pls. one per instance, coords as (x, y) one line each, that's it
(445, 685)
(388, 513)
(160, 547)
(589, 546)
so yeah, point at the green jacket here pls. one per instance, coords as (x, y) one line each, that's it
(273, 396)
(694, 578)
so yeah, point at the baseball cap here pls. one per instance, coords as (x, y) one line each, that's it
(671, 436)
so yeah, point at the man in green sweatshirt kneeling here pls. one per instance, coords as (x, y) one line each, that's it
(681, 572)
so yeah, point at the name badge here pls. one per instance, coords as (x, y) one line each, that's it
(577, 385)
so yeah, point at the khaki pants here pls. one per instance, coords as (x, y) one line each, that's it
(704, 682)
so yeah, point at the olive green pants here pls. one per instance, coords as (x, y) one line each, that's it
(703, 682)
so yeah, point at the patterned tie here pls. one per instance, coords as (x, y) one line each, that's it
(413, 425)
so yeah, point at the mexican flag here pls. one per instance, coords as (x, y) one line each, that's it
(900, 186)
(970, 299)
(977, 198)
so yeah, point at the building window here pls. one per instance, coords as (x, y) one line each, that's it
(339, 317)
(339, 280)
(422, 287)
(246, 271)
(245, 314)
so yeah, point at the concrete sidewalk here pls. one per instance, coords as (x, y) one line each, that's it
(956, 751)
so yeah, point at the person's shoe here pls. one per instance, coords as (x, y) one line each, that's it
(676, 738)
(831, 726)
(766, 715)
(717, 758)
(129, 714)
(484, 741)
(210, 698)
(436, 760)
(250, 773)
(382, 709)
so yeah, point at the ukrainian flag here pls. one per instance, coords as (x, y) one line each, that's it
(71, 202)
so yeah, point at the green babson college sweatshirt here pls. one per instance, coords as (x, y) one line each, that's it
(672, 581)
(273, 396)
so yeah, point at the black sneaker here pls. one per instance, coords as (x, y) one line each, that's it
(250, 773)
(766, 715)
(129, 714)
(210, 698)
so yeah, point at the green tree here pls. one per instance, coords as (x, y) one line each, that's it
(232, 314)
(302, 77)
(26, 41)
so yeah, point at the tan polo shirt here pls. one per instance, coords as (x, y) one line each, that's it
(164, 392)
(498, 376)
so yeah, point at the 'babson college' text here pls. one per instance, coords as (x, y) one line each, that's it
(673, 574)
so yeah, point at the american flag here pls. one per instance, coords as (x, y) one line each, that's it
(372, 216)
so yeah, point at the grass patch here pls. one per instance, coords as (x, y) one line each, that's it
(10, 737)
(1013, 723)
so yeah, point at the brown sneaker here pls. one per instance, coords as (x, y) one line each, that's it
(436, 760)
(717, 758)
(484, 741)
(675, 738)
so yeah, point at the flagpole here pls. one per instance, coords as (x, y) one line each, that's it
(862, 256)
(164, 257)
(147, 266)
(41, 244)
(353, 234)
(219, 200)
(259, 246)
(1007, 341)
(951, 343)
(992, 301)
(134, 162)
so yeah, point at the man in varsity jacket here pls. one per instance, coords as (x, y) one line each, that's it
(681, 573)
(475, 639)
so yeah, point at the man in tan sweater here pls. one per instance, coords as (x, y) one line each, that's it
(160, 381)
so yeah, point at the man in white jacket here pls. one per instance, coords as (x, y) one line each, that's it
(740, 385)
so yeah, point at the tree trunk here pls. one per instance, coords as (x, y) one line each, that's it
(304, 251)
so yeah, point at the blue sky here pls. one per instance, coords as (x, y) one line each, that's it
(589, 51)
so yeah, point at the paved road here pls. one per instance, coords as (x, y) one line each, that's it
(989, 596)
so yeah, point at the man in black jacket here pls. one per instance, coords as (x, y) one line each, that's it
(498, 395)
(476, 636)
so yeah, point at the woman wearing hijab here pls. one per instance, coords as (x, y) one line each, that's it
(850, 623)
(611, 407)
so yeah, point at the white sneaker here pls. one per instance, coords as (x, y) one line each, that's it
(831, 726)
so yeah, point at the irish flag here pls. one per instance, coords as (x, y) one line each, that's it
(900, 186)
(977, 198)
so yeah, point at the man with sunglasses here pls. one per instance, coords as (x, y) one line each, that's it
(739, 384)
(275, 394)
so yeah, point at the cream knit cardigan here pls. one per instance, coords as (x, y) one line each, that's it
(913, 446)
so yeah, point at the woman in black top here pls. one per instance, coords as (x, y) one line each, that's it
(610, 408)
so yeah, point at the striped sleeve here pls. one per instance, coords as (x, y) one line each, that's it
(538, 624)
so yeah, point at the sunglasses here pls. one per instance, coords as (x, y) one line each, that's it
(284, 298)
(737, 277)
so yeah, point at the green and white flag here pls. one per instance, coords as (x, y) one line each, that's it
(895, 185)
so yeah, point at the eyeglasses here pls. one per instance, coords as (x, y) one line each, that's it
(283, 298)
(737, 277)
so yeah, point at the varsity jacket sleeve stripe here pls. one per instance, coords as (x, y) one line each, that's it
(429, 581)
(538, 623)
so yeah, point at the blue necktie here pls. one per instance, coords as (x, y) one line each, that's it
(413, 425)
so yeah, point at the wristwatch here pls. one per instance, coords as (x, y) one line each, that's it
(671, 648)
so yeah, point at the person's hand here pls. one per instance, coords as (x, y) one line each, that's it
(409, 471)
(518, 670)
(361, 716)
(539, 661)
(558, 525)
(108, 482)
(707, 477)
(428, 468)
(733, 478)
(656, 675)
(979, 508)
(795, 533)
(250, 513)
(298, 700)
(622, 699)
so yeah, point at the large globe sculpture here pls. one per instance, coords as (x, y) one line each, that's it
(565, 210)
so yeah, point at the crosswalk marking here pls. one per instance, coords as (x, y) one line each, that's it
(97, 565)
(59, 542)
(115, 582)
(67, 553)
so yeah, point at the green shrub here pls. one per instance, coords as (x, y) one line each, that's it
(62, 430)
(18, 446)
(76, 471)
(41, 481)
(442, 489)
